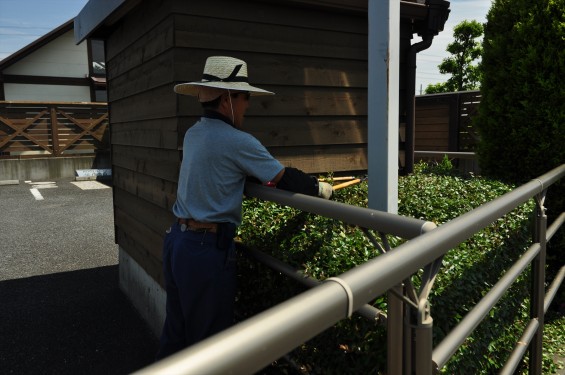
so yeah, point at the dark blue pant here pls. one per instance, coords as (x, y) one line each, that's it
(200, 281)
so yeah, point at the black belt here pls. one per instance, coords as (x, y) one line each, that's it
(197, 226)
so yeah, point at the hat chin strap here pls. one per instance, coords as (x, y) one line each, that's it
(231, 107)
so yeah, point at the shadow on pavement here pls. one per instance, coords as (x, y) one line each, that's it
(75, 322)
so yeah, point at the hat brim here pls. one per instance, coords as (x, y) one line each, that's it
(191, 88)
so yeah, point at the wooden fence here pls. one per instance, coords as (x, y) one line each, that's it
(444, 126)
(444, 121)
(57, 129)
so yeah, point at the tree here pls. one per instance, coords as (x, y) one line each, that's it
(521, 120)
(465, 50)
(521, 117)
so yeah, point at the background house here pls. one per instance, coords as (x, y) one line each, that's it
(313, 54)
(54, 68)
(53, 111)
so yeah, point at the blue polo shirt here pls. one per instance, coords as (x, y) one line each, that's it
(217, 158)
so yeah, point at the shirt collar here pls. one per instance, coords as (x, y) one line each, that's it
(208, 113)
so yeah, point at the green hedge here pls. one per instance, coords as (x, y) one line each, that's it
(323, 247)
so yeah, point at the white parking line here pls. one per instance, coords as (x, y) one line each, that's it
(89, 185)
(35, 186)
(42, 185)
(36, 194)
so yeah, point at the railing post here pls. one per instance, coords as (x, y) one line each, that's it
(423, 339)
(54, 131)
(395, 332)
(538, 286)
(409, 314)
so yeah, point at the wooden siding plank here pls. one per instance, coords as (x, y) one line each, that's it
(161, 133)
(436, 128)
(318, 158)
(137, 26)
(228, 35)
(273, 69)
(160, 102)
(278, 13)
(150, 241)
(155, 43)
(432, 135)
(157, 191)
(305, 131)
(151, 74)
(151, 219)
(433, 113)
(323, 159)
(296, 101)
(149, 161)
(424, 108)
(433, 145)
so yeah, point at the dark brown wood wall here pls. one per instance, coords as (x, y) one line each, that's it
(144, 130)
(315, 60)
(432, 128)
(444, 121)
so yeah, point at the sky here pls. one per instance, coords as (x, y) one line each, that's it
(427, 62)
(23, 21)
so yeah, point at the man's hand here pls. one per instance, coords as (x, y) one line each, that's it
(325, 190)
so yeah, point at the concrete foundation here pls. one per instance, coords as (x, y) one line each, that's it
(50, 168)
(147, 296)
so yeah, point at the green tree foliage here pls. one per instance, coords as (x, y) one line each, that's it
(522, 113)
(464, 50)
(521, 118)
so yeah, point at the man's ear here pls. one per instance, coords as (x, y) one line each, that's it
(225, 99)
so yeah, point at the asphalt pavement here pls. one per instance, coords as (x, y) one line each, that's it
(61, 309)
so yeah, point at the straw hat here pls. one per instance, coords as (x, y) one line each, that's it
(222, 72)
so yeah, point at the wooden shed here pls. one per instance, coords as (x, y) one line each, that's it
(312, 53)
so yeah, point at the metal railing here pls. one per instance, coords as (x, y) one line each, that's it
(262, 339)
(440, 154)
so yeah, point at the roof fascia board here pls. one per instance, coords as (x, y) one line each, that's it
(94, 14)
(414, 9)
(99, 13)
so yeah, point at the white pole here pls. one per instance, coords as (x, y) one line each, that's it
(384, 41)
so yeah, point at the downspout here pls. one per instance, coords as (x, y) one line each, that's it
(438, 11)
(410, 102)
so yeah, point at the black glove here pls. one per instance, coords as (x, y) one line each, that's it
(299, 182)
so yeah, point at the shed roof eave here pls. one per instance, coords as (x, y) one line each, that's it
(99, 13)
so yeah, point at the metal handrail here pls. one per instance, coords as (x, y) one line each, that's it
(520, 348)
(401, 226)
(451, 154)
(367, 311)
(443, 352)
(256, 342)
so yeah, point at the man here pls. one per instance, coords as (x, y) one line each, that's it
(199, 251)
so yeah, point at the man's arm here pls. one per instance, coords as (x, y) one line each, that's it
(295, 180)
(278, 176)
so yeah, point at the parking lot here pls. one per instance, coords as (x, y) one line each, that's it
(61, 310)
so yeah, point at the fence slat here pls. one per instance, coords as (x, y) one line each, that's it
(40, 129)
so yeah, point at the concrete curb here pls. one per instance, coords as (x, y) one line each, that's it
(9, 182)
